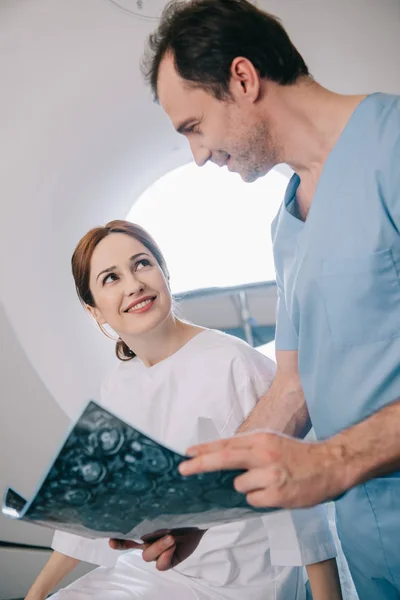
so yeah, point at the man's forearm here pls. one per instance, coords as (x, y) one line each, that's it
(282, 409)
(370, 448)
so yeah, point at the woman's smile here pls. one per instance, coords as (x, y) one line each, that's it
(141, 306)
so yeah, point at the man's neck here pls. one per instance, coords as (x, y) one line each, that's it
(308, 121)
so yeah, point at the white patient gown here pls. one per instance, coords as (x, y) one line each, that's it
(209, 385)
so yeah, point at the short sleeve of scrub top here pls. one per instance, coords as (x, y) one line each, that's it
(389, 172)
(96, 551)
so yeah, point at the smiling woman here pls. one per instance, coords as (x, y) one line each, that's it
(136, 283)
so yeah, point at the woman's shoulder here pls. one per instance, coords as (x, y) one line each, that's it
(214, 343)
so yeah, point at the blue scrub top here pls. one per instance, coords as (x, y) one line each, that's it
(338, 273)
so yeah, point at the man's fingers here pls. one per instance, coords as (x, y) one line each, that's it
(165, 560)
(267, 498)
(258, 479)
(238, 458)
(155, 550)
(243, 440)
(126, 545)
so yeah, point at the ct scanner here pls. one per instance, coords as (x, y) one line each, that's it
(80, 139)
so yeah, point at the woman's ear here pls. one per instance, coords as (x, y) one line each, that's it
(96, 314)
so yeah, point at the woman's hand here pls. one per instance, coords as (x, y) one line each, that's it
(167, 548)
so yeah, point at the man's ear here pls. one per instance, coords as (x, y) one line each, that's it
(245, 83)
(96, 314)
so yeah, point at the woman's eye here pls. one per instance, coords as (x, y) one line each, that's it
(109, 278)
(142, 263)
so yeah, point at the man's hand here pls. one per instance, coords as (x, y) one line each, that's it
(280, 471)
(167, 551)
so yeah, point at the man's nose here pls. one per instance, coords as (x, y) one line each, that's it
(200, 154)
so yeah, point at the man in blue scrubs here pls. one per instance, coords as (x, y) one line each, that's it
(230, 80)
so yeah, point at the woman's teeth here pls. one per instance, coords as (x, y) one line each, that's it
(140, 305)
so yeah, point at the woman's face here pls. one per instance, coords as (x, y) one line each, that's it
(129, 289)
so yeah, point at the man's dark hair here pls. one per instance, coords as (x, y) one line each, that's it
(205, 36)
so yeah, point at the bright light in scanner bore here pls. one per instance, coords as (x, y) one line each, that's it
(213, 228)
